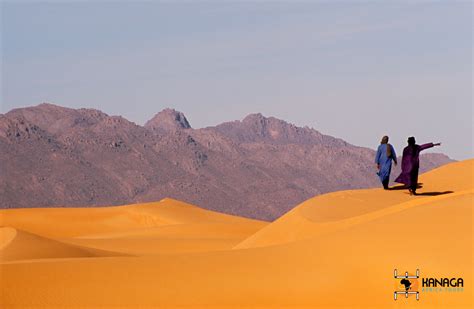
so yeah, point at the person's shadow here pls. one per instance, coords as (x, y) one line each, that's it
(403, 187)
(418, 186)
(434, 193)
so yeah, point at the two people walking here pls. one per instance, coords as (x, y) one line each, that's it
(410, 162)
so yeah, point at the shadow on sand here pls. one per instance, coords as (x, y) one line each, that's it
(433, 193)
(420, 185)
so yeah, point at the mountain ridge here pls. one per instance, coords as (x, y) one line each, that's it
(258, 167)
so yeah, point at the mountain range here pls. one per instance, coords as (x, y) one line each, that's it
(259, 167)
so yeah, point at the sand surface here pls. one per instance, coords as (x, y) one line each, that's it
(335, 250)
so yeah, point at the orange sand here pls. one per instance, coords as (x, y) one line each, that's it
(335, 250)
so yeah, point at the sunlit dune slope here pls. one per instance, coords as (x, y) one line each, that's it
(173, 238)
(338, 210)
(19, 245)
(141, 229)
(74, 222)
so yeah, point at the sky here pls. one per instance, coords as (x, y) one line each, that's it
(356, 70)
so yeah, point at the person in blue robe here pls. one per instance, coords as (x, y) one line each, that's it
(383, 159)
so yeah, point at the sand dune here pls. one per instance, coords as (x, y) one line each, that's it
(168, 226)
(336, 250)
(108, 221)
(337, 210)
(17, 245)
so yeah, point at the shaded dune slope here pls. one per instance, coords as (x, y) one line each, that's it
(18, 245)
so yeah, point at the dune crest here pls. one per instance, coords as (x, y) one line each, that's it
(338, 210)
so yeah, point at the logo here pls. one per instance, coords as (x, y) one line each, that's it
(406, 284)
(409, 284)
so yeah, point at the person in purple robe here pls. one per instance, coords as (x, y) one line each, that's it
(383, 158)
(411, 164)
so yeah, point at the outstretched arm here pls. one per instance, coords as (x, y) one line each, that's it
(426, 146)
(429, 145)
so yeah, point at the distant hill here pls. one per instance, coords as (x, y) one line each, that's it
(259, 167)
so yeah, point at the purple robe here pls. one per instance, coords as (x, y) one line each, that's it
(411, 164)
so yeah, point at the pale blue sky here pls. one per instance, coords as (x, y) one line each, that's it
(352, 69)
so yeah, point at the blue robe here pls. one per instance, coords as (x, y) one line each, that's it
(384, 161)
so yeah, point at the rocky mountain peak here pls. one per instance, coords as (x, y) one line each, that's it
(257, 127)
(168, 120)
(56, 119)
(254, 118)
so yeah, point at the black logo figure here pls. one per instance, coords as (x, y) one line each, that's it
(406, 283)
